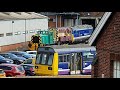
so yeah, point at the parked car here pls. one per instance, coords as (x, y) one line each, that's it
(21, 54)
(2, 73)
(16, 59)
(5, 60)
(30, 61)
(32, 53)
(13, 70)
(29, 69)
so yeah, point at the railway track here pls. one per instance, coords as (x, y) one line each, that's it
(69, 46)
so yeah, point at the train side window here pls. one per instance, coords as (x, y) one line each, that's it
(73, 57)
(68, 58)
(50, 60)
(61, 58)
(87, 56)
(38, 59)
(65, 58)
(78, 56)
(44, 59)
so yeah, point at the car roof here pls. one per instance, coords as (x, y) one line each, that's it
(31, 51)
(6, 53)
(27, 64)
(6, 64)
(15, 51)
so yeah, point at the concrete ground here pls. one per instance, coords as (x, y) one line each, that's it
(61, 76)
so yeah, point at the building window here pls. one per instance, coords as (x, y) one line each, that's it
(32, 31)
(17, 33)
(38, 30)
(9, 34)
(2, 35)
(52, 19)
(25, 32)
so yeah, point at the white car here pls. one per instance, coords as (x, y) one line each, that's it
(33, 53)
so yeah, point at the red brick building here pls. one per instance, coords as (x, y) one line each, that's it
(106, 38)
(61, 19)
(72, 18)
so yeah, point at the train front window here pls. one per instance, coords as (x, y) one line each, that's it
(44, 58)
(38, 59)
(87, 56)
(50, 60)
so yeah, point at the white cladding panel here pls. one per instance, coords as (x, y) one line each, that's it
(20, 26)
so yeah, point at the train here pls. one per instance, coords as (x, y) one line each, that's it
(56, 60)
(81, 32)
(61, 35)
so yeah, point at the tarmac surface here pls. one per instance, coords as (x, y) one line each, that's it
(60, 76)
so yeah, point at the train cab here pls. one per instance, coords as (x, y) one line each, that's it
(46, 62)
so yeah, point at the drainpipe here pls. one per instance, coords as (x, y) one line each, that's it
(77, 19)
(25, 31)
(60, 21)
(56, 21)
(97, 21)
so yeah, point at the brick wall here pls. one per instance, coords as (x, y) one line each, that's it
(108, 42)
(18, 46)
(53, 24)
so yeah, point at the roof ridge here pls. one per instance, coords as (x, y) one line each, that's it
(99, 27)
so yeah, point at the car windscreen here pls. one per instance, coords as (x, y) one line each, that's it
(27, 56)
(23, 52)
(12, 55)
(1, 57)
(32, 53)
(29, 61)
(1, 71)
(28, 66)
(20, 68)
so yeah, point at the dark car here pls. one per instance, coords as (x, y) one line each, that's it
(5, 60)
(29, 69)
(13, 70)
(21, 54)
(16, 60)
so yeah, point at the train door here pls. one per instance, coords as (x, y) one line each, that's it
(75, 63)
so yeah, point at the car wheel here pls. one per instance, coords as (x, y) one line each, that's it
(9, 76)
(28, 75)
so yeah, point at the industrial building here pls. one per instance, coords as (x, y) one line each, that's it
(16, 28)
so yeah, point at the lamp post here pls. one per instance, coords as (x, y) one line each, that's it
(25, 31)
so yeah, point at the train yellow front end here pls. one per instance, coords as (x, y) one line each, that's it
(46, 62)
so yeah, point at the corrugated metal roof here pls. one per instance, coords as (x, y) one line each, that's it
(20, 15)
(71, 50)
(99, 27)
